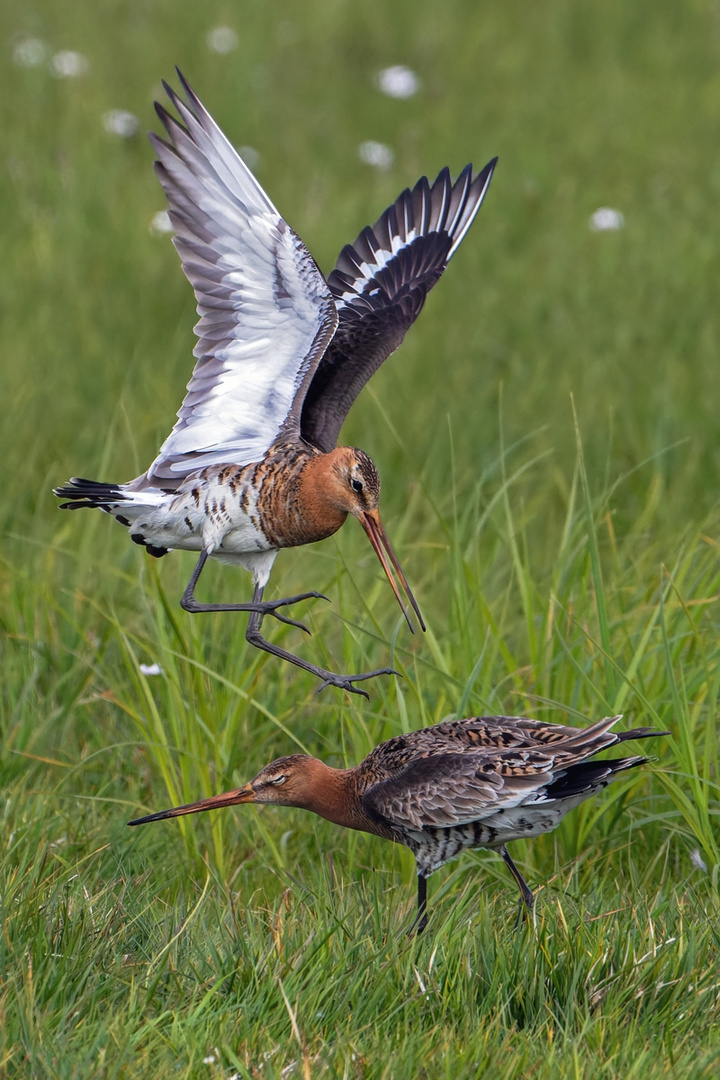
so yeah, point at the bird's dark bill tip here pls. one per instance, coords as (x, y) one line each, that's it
(152, 817)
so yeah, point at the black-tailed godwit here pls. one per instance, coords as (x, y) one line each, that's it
(476, 783)
(251, 465)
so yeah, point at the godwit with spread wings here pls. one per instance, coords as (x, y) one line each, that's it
(251, 465)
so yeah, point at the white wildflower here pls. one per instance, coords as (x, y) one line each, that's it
(606, 220)
(121, 122)
(250, 156)
(398, 81)
(222, 39)
(376, 154)
(160, 224)
(697, 860)
(69, 64)
(30, 52)
(151, 669)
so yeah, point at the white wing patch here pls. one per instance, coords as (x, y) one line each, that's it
(445, 207)
(368, 270)
(267, 314)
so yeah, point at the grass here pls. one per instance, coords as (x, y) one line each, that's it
(547, 439)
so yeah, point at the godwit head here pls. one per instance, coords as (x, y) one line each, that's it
(297, 780)
(343, 482)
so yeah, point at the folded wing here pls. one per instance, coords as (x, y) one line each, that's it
(449, 789)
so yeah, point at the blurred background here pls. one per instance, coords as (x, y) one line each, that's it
(547, 436)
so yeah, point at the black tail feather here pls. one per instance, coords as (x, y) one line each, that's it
(579, 778)
(91, 493)
(639, 733)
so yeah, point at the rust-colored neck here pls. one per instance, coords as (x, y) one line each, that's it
(298, 496)
(327, 793)
(335, 794)
(319, 497)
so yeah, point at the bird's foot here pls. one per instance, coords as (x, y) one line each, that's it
(269, 607)
(327, 678)
(345, 682)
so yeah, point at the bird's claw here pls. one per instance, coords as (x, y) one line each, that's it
(270, 607)
(345, 682)
(288, 621)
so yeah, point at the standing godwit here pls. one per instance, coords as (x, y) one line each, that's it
(476, 783)
(251, 465)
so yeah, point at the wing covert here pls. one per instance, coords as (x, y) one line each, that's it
(446, 790)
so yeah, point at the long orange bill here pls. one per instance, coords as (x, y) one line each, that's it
(230, 798)
(371, 523)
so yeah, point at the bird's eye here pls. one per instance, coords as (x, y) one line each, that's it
(278, 779)
(356, 485)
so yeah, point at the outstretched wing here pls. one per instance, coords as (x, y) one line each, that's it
(380, 284)
(267, 314)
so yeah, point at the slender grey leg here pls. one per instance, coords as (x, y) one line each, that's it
(421, 918)
(263, 607)
(527, 898)
(329, 678)
(258, 608)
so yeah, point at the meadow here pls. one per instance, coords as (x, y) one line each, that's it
(548, 443)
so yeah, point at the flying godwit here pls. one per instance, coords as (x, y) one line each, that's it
(476, 783)
(251, 465)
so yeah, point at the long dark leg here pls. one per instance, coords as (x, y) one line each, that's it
(527, 898)
(257, 605)
(421, 918)
(329, 678)
(258, 608)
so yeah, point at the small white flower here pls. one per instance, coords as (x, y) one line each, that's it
(398, 81)
(30, 52)
(376, 154)
(121, 122)
(160, 224)
(250, 156)
(151, 669)
(222, 39)
(606, 220)
(209, 1059)
(697, 860)
(69, 64)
